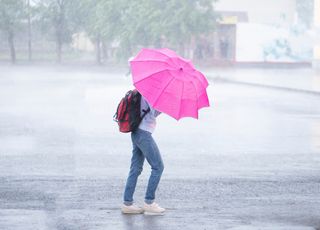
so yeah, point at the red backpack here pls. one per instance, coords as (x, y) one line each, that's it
(128, 114)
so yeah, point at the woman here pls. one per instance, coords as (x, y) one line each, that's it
(144, 147)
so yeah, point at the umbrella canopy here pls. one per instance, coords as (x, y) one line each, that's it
(169, 83)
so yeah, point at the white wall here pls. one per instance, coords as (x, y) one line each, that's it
(316, 50)
(255, 40)
(262, 11)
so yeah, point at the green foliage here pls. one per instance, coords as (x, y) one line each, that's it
(107, 22)
(132, 24)
(53, 16)
(186, 19)
(171, 23)
(141, 23)
(87, 16)
(12, 14)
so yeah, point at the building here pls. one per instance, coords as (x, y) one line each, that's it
(316, 50)
(252, 31)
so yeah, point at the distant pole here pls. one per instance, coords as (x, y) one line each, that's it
(316, 23)
(29, 32)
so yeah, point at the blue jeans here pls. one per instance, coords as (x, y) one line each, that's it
(144, 147)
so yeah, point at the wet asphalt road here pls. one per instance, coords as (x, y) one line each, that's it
(252, 160)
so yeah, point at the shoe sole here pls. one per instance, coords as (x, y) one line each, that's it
(153, 213)
(131, 212)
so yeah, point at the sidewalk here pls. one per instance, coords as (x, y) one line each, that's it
(303, 80)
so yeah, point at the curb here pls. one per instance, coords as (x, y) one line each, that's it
(274, 87)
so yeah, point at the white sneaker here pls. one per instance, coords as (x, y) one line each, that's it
(131, 209)
(153, 209)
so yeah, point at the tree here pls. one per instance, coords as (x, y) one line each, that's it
(146, 23)
(177, 24)
(173, 23)
(54, 17)
(187, 20)
(109, 23)
(101, 21)
(89, 15)
(11, 18)
(29, 30)
(141, 25)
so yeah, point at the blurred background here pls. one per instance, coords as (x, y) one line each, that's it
(210, 32)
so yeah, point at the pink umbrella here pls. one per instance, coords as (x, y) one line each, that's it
(169, 83)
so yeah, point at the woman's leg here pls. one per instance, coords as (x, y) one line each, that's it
(151, 152)
(135, 170)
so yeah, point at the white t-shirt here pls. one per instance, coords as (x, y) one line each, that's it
(149, 122)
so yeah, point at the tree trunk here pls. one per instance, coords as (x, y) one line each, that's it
(11, 45)
(98, 50)
(29, 33)
(127, 49)
(104, 47)
(181, 49)
(60, 29)
(59, 50)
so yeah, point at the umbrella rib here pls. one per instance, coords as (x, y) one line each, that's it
(195, 89)
(158, 51)
(148, 60)
(155, 60)
(181, 98)
(161, 52)
(155, 102)
(197, 96)
(151, 76)
(200, 80)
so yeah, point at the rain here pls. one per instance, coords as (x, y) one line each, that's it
(250, 161)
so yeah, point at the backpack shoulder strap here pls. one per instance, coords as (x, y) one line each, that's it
(145, 112)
